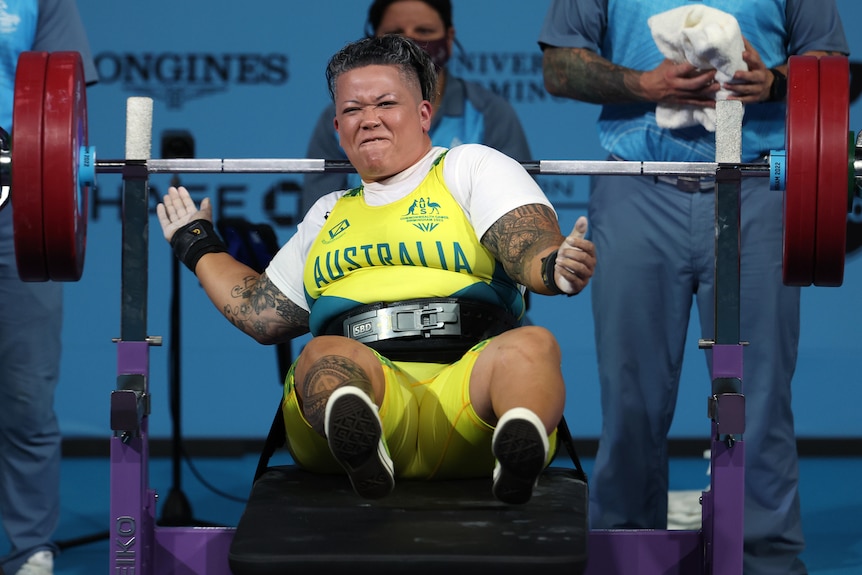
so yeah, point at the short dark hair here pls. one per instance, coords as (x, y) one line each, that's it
(378, 7)
(388, 50)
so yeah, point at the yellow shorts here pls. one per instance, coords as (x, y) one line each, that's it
(429, 425)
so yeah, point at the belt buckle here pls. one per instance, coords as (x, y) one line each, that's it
(423, 320)
(404, 321)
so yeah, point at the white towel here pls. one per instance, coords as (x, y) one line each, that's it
(707, 38)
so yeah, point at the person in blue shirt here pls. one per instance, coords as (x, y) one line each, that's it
(31, 316)
(464, 112)
(655, 237)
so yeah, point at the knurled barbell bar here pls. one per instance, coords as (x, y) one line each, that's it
(52, 168)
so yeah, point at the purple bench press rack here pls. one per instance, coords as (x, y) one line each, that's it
(138, 545)
(715, 549)
(141, 547)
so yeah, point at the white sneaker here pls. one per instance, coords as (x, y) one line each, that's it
(355, 437)
(520, 446)
(684, 510)
(39, 563)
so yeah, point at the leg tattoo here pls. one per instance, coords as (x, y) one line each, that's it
(325, 375)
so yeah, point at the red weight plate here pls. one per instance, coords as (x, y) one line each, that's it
(64, 132)
(831, 227)
(800, 195)
(27, 166)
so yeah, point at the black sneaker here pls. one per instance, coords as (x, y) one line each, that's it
(520, 445)
(355, 437)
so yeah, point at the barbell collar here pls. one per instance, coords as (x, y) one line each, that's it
(5, 167)
(857, 163)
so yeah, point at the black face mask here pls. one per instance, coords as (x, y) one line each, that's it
(438, 50)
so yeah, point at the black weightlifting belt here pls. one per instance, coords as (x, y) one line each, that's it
(432, 330)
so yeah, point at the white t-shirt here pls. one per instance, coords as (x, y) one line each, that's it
(486, 183)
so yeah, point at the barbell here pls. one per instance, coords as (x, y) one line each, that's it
(52, 168)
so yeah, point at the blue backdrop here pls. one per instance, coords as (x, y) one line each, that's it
(247, 82)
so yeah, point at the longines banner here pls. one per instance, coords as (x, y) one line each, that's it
(246, 81)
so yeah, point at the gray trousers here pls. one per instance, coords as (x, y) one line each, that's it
(30, 323)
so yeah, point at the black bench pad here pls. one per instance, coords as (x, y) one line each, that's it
(298, 522)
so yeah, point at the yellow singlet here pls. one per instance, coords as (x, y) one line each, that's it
(420, 246)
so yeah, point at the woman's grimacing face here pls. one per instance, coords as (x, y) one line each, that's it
(382, 120)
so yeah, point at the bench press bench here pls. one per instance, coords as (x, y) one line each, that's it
(296, 522)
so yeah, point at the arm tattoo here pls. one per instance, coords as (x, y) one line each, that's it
(520, 235)
(326, 375)
(263, 312)
(584, 75)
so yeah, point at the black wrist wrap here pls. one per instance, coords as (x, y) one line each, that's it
(195, 239)
(548, 279)
(778, 90)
